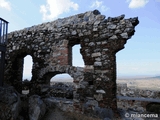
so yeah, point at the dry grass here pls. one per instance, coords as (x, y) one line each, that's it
(145, 84)
(142, 83)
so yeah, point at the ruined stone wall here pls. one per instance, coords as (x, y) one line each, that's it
(50, 45)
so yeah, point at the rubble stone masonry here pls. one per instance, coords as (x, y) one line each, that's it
(50, 45)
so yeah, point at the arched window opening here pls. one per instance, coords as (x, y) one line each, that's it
(62, 78)
(62, 85)
(27, 68)
(27, 74)
(77, 57)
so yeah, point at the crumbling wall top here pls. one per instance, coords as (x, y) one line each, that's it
(91, 20)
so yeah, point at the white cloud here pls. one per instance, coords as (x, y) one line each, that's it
(5, 4)
(54, 8)
(99, 5)
(137, 3)
(96, 4)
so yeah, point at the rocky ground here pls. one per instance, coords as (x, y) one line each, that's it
(57, 114)
(145, 86)
(48, 107)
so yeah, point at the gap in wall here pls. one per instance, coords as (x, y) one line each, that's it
(62, 85)
(62, 78)
(77, 57)
(27, 68)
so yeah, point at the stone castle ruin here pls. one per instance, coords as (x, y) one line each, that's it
(50, 45)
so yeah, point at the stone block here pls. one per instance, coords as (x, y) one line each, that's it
(100, 91)
(96, 54)
(89, 67)
(114, 37)
(97, 63)
(37, 108)
(111, 26)
(10, 104)
(124, 35)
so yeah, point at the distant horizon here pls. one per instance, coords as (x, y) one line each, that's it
(67, 76)
(120, 74)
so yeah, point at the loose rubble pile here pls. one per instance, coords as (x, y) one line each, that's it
(138, 100)
(25, 107)
(10, 103)
(57, 90)
(62, 90)
(123, 90)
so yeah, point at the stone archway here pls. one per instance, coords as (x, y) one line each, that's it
(75, 72)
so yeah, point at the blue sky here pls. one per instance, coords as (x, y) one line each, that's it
(141, 56)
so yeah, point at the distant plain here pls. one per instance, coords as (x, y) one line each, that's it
(148, 83)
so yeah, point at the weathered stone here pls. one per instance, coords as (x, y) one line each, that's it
(89, 67)
(42, 43)
(114, 37)
(50, 45)
(112, 26)
(95, 29)
(100, 17)
(86, 40)
(118, 31)
(98, 59)
(74, 32)
(10, 104)
(37, 108)
(98, 43)
(121, 17)
(98, 97)
(105, 113)
(14, 47)
(97, 22)
(105, 49)
(91, 44)
(92, 103)
(100, 91)
(98, 79)
(96, 54)
(97, 63)
(124, 35)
